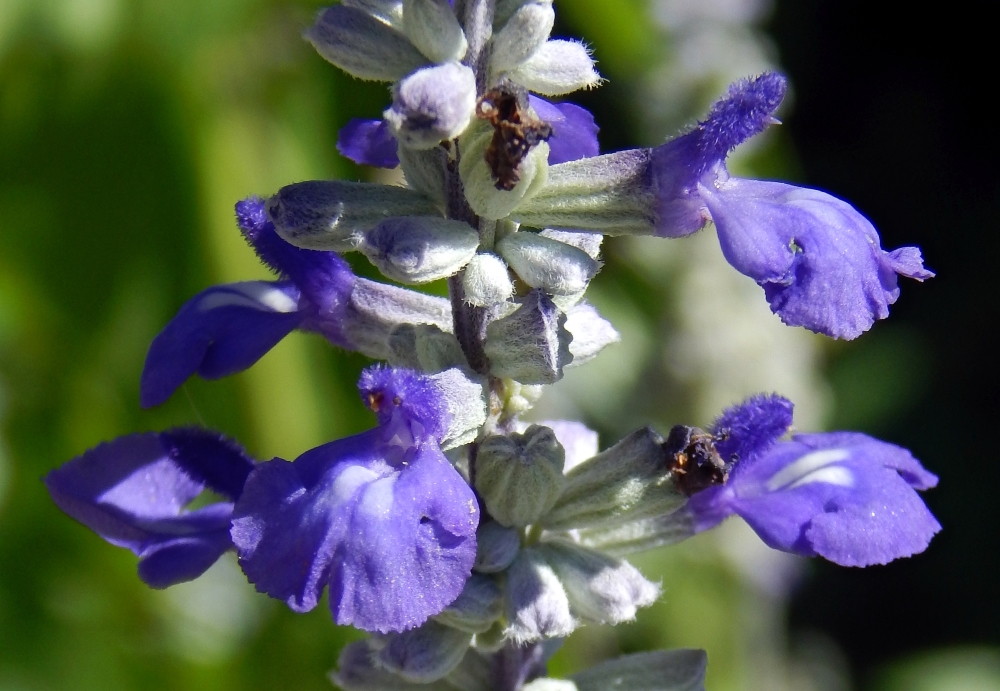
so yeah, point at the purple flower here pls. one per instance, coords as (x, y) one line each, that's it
(574, 132)
(844, 496)
(369, 142)
(225, 329)
(819, 260)
(132, 492)
(381, 517)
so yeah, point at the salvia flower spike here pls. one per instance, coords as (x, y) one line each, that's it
(467, 540)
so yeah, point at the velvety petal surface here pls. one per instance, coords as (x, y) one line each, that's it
(132, 492)
(698, 156)
(220, 331)
(817, 258)
(390, 526)
(324, 279)
(226, 329)
(843, 496)
(185, 547)
(393, 392)
(574, 131)
(748, 429)
(369, 142)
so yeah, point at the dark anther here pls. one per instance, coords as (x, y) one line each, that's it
(693, 460)
(515, 133)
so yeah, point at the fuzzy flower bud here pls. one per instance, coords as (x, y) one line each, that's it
(363, 44)
(520, 476)
(334, 215)
(432, 105)
(433, 28)
(486, 281)
(424, 654)
(557, 68)
(477, 608)
(548, 264)
(535, 602)
(521, 37)
(600, 588)
(531, 345)
(421, 248)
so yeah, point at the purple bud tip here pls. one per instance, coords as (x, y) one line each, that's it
(387, 390)
(251, 217)
(323, 277)
(258, 230)
(750, 428)
(746, 110)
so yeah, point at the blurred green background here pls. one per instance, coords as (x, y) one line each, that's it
(129, 128)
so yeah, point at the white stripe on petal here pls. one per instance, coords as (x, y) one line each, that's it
(258, 295)
(831, 475)
(348, 482)
(795, 473)
(378, 497)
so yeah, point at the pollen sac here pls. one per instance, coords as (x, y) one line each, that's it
(420, 249)
(530, 346)
(694, 460)
(432, 105)
(516, 131)
(630, 481)
(520, 476)
(548, 264)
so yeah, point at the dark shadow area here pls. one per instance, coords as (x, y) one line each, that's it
(892, 116)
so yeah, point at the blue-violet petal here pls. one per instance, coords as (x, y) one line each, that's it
(843, 496)
(369, 142)
(220, 331)
(132, 492)
(389, 526)
(574, 131)
(818, 259)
